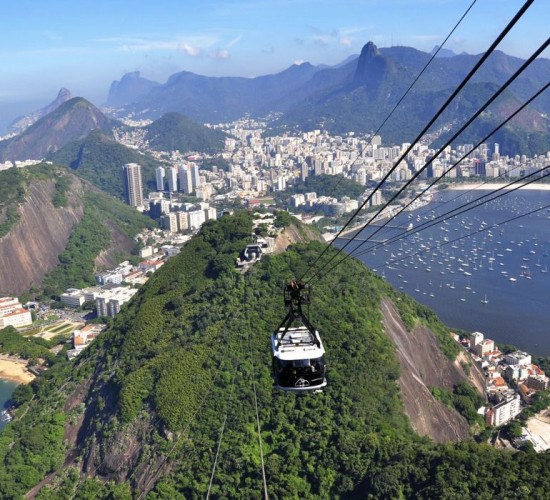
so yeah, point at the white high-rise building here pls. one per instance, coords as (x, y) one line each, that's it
(159, 172)
(195, 176)
(172, 179)
(170, 222)
(133, 187)
(196, 219)
(186, 179)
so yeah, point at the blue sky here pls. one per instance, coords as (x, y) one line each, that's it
(85, 45)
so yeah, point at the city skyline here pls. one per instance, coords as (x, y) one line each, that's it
(84, 47)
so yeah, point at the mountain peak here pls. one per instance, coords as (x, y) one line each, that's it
(23, 122)
(63, 95)
(372, 68)
(130, 87)
(370, 50)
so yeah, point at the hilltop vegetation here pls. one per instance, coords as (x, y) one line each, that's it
(145, 403)
(336, 186)
(98, 158)
(174, 131)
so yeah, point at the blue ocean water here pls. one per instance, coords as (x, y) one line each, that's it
(496, 281)
(6, 390)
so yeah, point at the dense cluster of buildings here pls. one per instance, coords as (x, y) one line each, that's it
(256, 166)
(511, 379)
(115, 287)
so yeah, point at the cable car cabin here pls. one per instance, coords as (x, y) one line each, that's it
(298, 359)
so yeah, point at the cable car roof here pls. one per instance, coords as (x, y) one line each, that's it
(298, 343)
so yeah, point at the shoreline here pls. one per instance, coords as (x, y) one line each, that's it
(15, 370)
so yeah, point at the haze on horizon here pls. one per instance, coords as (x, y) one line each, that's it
(84, 46)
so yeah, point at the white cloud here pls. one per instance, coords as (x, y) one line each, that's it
(346, 41)
(189, 49)
(220, 54)
(234, 42)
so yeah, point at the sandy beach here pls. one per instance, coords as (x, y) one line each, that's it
(540, 425)
(15, 370)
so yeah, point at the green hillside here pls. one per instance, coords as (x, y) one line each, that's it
(174, 131)
(98, 159)
(142, 408)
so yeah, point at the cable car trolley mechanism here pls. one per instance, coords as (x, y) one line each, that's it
(298, 353)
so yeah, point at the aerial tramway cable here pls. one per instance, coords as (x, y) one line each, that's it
(469, 235)
(258, 426)
(353, 253)
(422, 71)
(456, 134)
(507, 189)
(462, 84)
(221, 438)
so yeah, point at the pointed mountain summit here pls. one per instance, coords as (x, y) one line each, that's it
(23, 122)
(71, 121)
(130, 88)
(373, 68)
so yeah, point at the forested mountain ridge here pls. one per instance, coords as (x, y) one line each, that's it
(174, 131)
(141, 410)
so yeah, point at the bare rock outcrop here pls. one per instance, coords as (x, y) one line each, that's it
(31, 249)
(293, 234)
(423, 365)
(120, 244)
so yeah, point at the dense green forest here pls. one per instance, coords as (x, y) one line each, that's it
(175, 131)
(336, 186)
(190, 352)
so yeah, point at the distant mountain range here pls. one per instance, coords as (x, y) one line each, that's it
(353, 96)
(72, 120)
(356, 95)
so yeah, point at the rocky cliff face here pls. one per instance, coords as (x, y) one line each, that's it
(292, 234)
(423, 365)
(30, 250)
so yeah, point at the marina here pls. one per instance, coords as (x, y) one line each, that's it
(490, 276)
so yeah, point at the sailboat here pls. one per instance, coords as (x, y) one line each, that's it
(484, 301)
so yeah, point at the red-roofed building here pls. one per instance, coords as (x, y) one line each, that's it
(150, 265)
